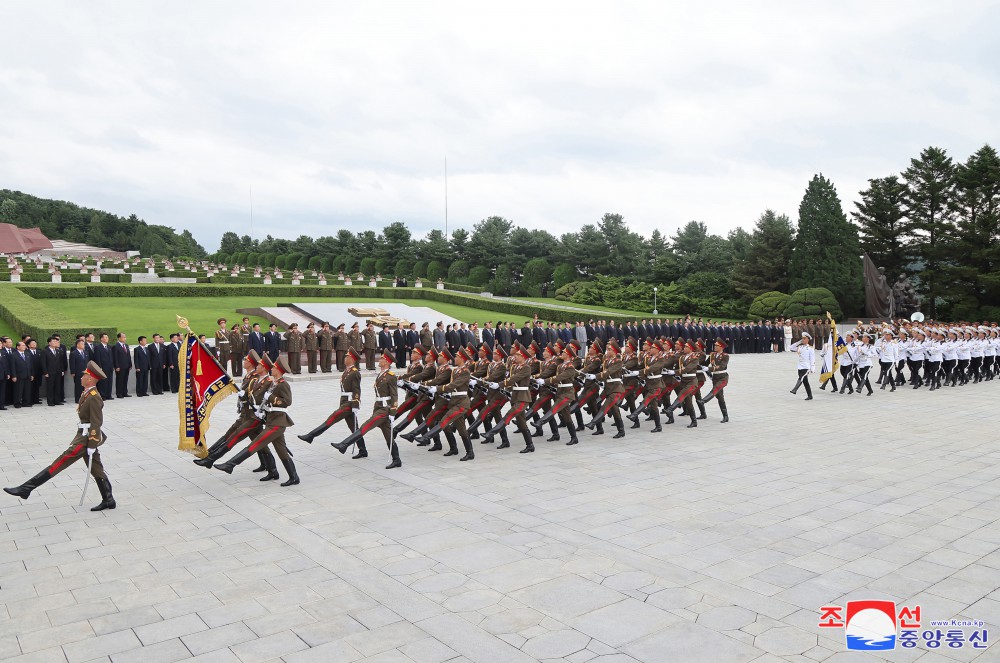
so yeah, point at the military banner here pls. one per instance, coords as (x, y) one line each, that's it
(832, 350)
(204, 383)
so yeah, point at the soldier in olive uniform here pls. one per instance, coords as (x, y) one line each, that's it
(719, 367)
(383, 412)
(222, 344)
(517, 381)
(496, 373)
(689, 364)
(277, 399)
(426, 337)
(563, 381)
(246, 423)
(350, 403)
(90, 411)
(432, 388)
(236, 350)
(354, 339)
(369, 342)
(456, 392)
(312, 346)
(325, 336)
(341, 344)
(650, 371)
(294, 343)
(614, 390)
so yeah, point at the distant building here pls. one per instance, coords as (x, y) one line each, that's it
(31, 241)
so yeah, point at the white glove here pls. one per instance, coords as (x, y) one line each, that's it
(241, 393)
(591, 376)
(473, 382)
(432, 390)
(494, 385)
(539, 382)
(632, 374)
(404, 383)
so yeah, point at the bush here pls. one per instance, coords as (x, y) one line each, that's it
(280, 262)
(368, 265)
(479, 276)
(350, 265)
(420, 269)
(435, 271)
(315, 262)
(812, 303)
(565, 292)
(458, 271)
(563, 274)
(381, 267)
(403, 268)
(269, 259)
(769, 305)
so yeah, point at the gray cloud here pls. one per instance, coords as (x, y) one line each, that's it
(549, 113)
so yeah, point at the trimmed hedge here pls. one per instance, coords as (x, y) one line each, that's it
(812, 303)
(29, 316)
(68, 277)
(769, 305)
(518, 311)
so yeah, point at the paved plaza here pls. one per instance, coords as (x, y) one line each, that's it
(714, 544)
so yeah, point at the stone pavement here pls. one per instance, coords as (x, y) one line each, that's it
(714, 544)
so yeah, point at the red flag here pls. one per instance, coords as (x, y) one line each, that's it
(204, 382)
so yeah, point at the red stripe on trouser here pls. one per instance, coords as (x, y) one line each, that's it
(490, 408)
(514, 411)
(435, 415)
(540, 402)
(417, 410)
(339, 414)
(612, 400)
(652, 397)
(688, 392)
(478, 403)
(242, 434)
(368, 425)
(457, 413)
(407, 404)
(261, 441)
(718, 386)
(72, 455)
(587, 395)
(561, 404)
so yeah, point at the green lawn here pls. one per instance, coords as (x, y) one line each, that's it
(146, 315)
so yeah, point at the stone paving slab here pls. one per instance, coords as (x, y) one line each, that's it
(716, 543)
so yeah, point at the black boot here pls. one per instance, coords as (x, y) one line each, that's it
(596, 421)
(398, 430)
(701, 410)
(362, 450)
(314, 433)
(555, 431)
(538, 430)
(24, 490)
(107, 499)
(694, 422)
(353, 438)
(656, 419)
(425, 438)
(572, 437)
(620, 433)
(293, 476)
(263, 463)
(452, 445)
(394, 453)
(469, 453)
(635, 415)
(528, 445)
(504, 440)
(437, 444)
(412, 435)
(579, 421)
(272, 467)
(237, 459)
(216, 452)
(725, 413)
(599, 431)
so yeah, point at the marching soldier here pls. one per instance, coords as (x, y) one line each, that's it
(689, 365)
(651, 376)
(631, 364)
(563, 382)
(496, 372)
(456, 395)
(325, 336)
(588, 395)
(312, 346)
(611, 375)
(383, 412)
(543, 400)
(719, 367)
(440, 403)
(350, 403)
(294, 342)
(369, 341)
(222, 343)
(277, 400)
(90, 411)
(517, 381)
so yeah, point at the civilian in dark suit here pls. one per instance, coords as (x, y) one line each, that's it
(173, 365)
(54, 370)
(7, 361)
(272, 342)
(412, 338)
(489, 337)
(78, 360)
(539, 336)
(452, 338)
(36, 371)
(104, 359)
(256, 340)
(20, 375)
(399, 340)
(384, 340)
(122, 357)
(155, 352)
(141, 362)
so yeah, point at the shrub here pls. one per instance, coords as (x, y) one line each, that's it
(435, 271)
(458, 271)
(812, 303)
(769, 305)
(563, 274)
(479, 276)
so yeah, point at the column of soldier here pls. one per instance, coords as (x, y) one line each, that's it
(456, 394)
(935, 354)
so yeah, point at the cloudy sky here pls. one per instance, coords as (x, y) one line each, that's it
(549, 113)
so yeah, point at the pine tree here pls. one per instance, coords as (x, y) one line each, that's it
(765, 267)
(826, 252)
(930, 223)
(880, 224)
(977, 248)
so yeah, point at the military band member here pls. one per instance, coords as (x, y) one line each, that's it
(718, 366)
(90, 411)
(383, 412)
(222, 345)
(277, 399)
(312, 346)
(294, 343)
(369, 342)
(325, 336)
(350, 402)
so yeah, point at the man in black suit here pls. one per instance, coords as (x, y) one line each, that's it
(256, 340)
(489, 338)
(78, 360)
(399, 341)
(412, 338)
(272, 342)
(7, 361)
(140, 360)
(54, 368)
(122, 357)
(173, 362)
(36, 371)
(90, 346)
(154, 352)
(103, 358)
(384, 340)
(538, 336)
(20, 375)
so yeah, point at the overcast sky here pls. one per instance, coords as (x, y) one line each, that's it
(549, 113)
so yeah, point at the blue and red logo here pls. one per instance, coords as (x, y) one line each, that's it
(870, 625)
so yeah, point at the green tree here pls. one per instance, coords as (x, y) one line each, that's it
(880, 221)
(826, 252)
(458, 271)
(230, 243)
(420, 269)
(976, 259)
(930, 222)
(488, 244)
(381, 267)
(403, 268)
(564, 273)
(503, 281)
(435, 270)
(368, 265)
(621, 244)
(537, 273)
(479, 276)
(765, 267)
(395, 242)
(350, 265)
(459, 243)
(434, 247)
